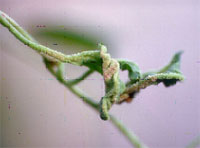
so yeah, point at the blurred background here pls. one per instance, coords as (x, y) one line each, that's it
(37, 111)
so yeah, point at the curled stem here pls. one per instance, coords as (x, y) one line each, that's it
(76, 59)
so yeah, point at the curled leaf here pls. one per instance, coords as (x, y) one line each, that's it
(133, 70)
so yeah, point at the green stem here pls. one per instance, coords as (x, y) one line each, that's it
(195, 143)
(132, 138)
(17, 27)
(73, 89)
(82, 77)
(150, 80)
(76, 59)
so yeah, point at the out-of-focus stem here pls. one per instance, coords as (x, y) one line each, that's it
(195, 143)
(82, 77)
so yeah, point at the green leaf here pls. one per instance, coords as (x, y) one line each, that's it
(95, 65)
(133, 70)
(67, 37)
(174, 65)
(172, 68)
(169, 75)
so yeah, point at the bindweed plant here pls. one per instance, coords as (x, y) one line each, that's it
(100, 61)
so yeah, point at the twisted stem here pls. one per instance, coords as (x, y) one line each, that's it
(76, 59)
